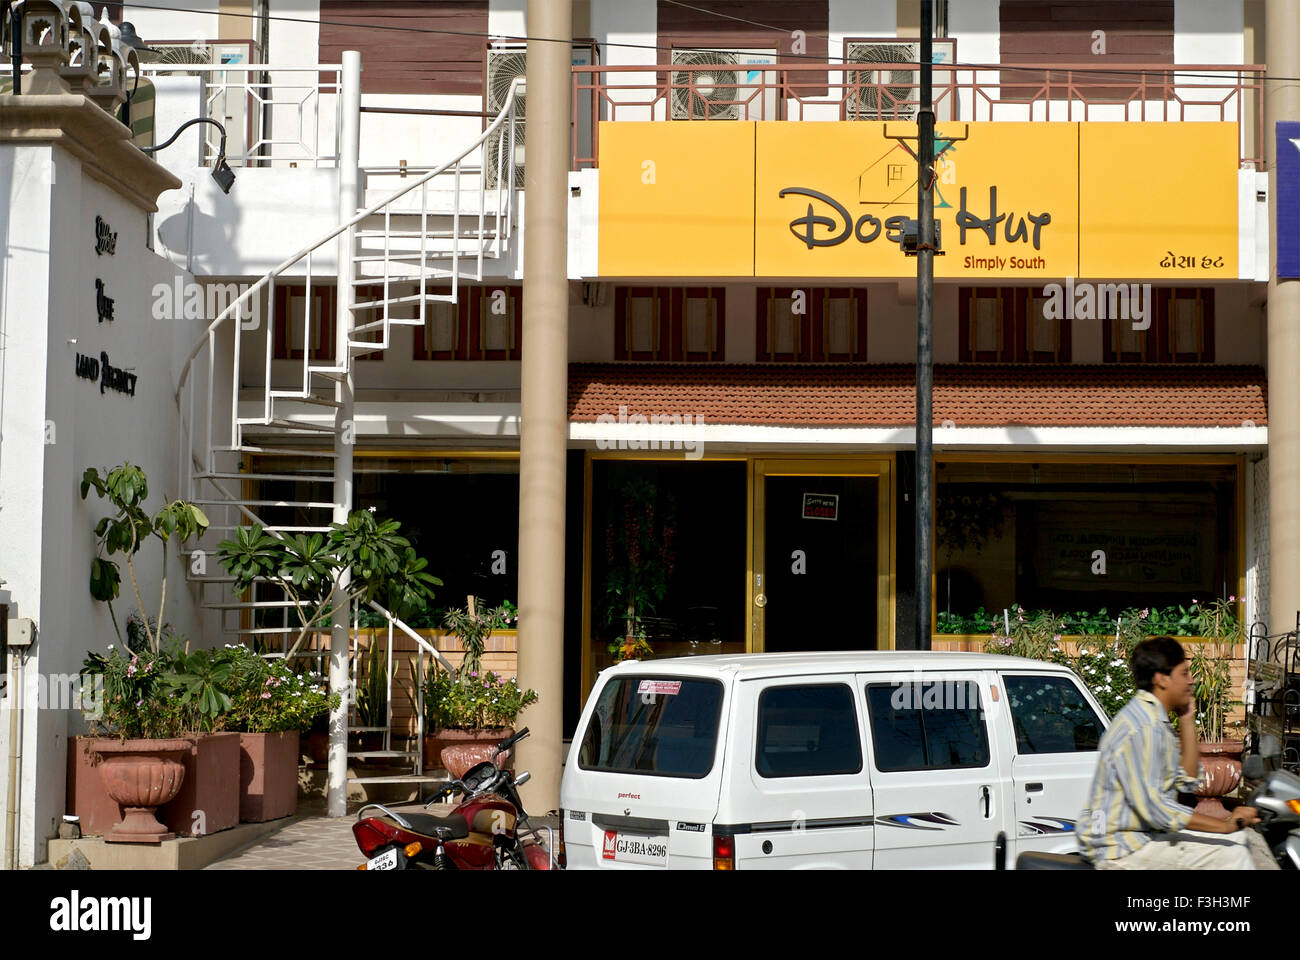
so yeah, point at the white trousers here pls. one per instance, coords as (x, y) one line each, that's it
(1194, 850)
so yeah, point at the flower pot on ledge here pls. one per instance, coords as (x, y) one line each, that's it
(207, 800)
(268, 776)
(140, 776)
(462, 749)
(1221, 761)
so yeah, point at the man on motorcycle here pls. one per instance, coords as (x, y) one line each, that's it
(1133, 820)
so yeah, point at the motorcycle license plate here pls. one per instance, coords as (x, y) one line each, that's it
(385, 861)
(635, 848)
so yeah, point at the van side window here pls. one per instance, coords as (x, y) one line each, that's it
(1050, 715)
(807, 731)
(927, 725)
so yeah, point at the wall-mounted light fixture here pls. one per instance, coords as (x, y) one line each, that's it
(221, 172)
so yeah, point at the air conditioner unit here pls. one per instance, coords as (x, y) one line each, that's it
(227, 96)
(888, 94)
(505, 62)
(706, 94)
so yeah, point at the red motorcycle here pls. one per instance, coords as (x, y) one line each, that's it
(487, 830)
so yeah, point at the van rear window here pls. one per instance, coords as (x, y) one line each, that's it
(654, 725)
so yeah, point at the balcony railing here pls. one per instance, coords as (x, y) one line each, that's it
(891, 91)
(274, 115)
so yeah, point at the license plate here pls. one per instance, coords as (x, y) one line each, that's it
(385, 861)
(635, 848)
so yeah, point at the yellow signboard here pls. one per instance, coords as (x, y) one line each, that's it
(831, 195)
(1159, 200)
(677, 199)
(1014, 201)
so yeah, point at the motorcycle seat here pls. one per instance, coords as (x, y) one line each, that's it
(451, 826)
(1052, 861)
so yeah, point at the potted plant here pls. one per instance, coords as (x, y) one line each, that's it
(470, 710)
(158, 710)
(157, 693)
(640, 557)
(271, 704)
(1211, 666)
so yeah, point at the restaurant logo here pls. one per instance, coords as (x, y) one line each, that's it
(828, 223)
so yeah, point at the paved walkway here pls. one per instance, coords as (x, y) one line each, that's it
(312, 841)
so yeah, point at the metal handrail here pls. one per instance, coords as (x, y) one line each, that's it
(970, 91)
(246, 297)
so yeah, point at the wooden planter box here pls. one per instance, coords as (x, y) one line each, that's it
(268, 776)
(208, 801)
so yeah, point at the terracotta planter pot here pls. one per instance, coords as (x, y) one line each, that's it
(207, 801)
(140, 776)
(1222, 763)
(268, 776)
(465, 748)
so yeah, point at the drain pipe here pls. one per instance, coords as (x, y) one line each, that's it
(14, 703)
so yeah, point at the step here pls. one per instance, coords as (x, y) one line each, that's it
(286, 424)
(404, 778)
(366, 729)
(277, 451)
(305, 504)
(381, 754)
(305, 477)
(298, 397)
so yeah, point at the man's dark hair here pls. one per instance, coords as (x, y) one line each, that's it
(1155, 655)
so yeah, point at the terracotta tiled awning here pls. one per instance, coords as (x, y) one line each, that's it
(970, 395)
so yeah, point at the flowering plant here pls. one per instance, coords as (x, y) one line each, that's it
(1105, 671)
(269, 697)
(473, 701)
(155, 694)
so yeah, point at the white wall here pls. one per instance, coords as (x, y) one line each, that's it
(49, 315)
(1209, 31)
(197, 22)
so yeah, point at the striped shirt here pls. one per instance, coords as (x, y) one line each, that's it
(1134, 791)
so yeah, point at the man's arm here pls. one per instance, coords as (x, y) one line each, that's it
(1187, 734)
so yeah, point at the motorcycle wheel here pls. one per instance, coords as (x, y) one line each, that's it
(511, 859)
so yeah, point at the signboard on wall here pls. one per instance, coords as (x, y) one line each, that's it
(1288, 199)
(1014, 201)
(1159, 547)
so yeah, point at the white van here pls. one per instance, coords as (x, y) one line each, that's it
(815, 760)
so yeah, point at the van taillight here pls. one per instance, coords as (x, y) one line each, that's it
(724, 852)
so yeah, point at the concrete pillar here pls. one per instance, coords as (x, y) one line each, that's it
(544, 396)
(344, 434)
(1282, 102)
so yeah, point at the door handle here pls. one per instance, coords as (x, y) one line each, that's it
(760, 600)
(1033, 788)
(988, 800)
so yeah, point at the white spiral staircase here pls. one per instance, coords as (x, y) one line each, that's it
(430, 234)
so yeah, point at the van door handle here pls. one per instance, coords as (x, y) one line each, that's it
(1033, 788)
(988, 800)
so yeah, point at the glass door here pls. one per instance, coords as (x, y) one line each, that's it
(821, 565)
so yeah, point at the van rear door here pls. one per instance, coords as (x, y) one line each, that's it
(798, 792)
(936, 773)
(1055, 729)
(642, 779)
